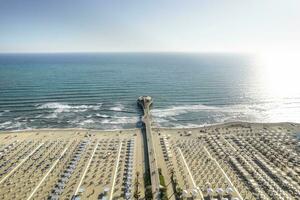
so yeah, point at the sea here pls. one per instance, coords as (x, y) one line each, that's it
(99, 90)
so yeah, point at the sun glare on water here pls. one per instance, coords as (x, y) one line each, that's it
(280, 74)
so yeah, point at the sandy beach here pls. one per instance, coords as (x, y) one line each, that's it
(212, 161)
(41, 164)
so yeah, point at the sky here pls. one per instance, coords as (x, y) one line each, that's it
(149, 25)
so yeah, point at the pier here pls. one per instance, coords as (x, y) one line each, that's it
(145, 102)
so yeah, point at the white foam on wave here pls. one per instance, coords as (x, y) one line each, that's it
(117, 107)
(61, 107)
(178, 110)
(5, 124)
(8, 125)
(87, 121)
(51, 116)
(259, 112)
(120, 120)
(102, 116)
(111, 121)
(189, 125)
(160, 120)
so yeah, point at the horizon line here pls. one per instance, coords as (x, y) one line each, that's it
(121, 52)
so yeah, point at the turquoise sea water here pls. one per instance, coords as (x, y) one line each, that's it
(100, 90)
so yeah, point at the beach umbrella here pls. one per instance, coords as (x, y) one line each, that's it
(209, 191)
(106, 190)
(229, 190)
(195, 192)
(185, 193)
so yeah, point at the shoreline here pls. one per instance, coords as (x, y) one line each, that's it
(217, 125)
(68, 129)
(225, 124)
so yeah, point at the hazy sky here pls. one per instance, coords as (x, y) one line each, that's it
(149, 25)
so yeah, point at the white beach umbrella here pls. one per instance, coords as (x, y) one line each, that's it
(185, 193)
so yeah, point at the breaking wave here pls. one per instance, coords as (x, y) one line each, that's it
(196, 115)
(115, 116)
(10, 125)
(61, 107)
(88, 121)
(178, 110)
(102, 116)
(117, 107)
(120, 120)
